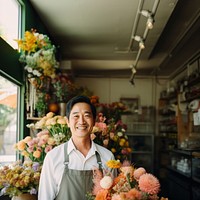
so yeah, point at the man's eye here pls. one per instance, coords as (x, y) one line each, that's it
(87, 115)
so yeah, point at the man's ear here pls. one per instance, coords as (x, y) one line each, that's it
(67, 122)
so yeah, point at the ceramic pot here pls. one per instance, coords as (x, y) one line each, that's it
(25, 196)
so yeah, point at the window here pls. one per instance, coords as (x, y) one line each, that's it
(8, 120)
(9, 21)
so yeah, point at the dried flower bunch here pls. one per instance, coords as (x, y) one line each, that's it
(130, 184)
(53, 132)
(18, 178)
(112, 136)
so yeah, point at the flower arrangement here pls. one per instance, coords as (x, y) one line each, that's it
(112, 136)
(113, 110)
(130, 184)
(53, 131)
(38, 55)
(18, 178)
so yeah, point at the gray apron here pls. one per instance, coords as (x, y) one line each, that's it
(75, 183)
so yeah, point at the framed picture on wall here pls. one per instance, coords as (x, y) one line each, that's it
(131, 103)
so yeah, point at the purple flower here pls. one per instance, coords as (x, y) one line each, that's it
(36, 166)
(33, 191)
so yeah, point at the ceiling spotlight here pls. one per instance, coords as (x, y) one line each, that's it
(133, 70)
(150, 22)
(150, 19)
(141, 44)
(146, 13)
(140, 40)
(132, 79)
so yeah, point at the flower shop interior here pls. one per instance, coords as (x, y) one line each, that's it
(138, 62)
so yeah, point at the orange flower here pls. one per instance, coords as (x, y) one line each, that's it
(102, 195)
(21, 145)
(36, 154)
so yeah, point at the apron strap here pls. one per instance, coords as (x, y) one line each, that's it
(98, 160)
(66, 160)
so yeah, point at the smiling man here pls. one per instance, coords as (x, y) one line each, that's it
(67, 171)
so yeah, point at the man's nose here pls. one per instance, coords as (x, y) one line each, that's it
(82, 119)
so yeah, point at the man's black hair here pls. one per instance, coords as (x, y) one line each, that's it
(80, 99)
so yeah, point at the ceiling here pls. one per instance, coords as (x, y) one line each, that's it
(95, 38)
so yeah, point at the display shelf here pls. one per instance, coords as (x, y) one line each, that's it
(143, 150)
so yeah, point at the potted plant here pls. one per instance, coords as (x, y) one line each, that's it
(41, 105)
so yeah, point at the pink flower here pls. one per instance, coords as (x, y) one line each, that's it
(101, 125)
(43, 132)
(149, 183)
(127, 170)
(97, 176)
(48, 148)
(139, 172)
(105, 142)
(112, 135)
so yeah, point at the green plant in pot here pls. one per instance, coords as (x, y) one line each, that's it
(41, 105)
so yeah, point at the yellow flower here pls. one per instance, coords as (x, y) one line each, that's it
(122, 142)
(113, 163)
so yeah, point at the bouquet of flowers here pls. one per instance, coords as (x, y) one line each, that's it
(53, 131)
(18, 178)
(112, 136)
(130, 184)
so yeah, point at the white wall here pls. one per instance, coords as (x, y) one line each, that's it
(112, 89)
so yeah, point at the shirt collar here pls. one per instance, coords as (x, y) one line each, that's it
(71, 147)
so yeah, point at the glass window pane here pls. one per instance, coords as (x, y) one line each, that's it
(8, 120)
(9, 21)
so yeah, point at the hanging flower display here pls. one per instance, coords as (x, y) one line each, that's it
(38, 55)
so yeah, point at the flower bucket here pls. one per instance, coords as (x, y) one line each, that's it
(25, 196)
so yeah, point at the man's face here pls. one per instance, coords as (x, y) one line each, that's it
(81, 120)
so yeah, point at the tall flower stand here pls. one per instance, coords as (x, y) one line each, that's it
(25, 196)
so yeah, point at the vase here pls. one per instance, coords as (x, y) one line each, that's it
(62, 109)
(25, 196)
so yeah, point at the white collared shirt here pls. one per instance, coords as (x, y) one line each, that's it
(53, 166)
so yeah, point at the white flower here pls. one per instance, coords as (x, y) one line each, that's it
(29, 69)
(106, 182)
(120, 134)
(36, 72)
